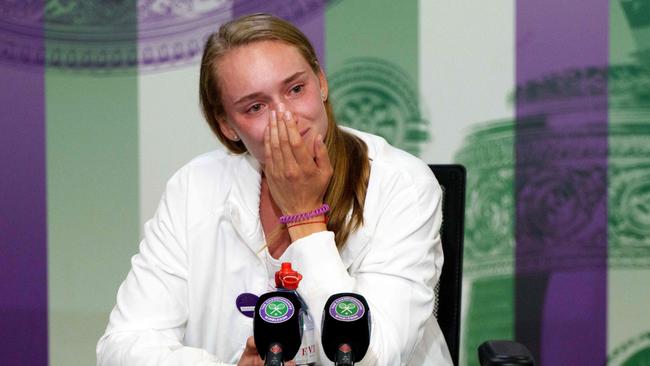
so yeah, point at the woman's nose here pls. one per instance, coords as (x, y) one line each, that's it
(279, 106)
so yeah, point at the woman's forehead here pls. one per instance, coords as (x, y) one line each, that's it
(259, 65)
(259, 55)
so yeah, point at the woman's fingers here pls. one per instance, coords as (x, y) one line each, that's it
(283, 136)
(322, 158)
(276, 150)
(299, 149)
(268, 156)
(250, 346)
(250, 357)
(295, 155)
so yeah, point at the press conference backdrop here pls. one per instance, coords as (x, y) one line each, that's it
(547, 104)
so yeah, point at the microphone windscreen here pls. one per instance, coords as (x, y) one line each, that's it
(277, 320)
(346, 320)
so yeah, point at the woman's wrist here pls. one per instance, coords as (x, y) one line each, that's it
(303, 216)
(299, 230)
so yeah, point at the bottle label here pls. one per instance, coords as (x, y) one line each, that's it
(308, 352)
(307, 355)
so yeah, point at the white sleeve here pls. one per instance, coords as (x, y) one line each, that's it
(147, 324)
(397, 275)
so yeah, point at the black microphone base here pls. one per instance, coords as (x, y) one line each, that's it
(344, 356)
(274, 355)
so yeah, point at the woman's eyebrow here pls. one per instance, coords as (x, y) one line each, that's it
(256, 95)
(249, 97)
(293, 77)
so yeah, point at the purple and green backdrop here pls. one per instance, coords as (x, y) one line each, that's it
(547, 105)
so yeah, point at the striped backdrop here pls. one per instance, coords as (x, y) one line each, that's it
(547, 104)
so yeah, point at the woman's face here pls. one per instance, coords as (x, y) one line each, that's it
(256, 79)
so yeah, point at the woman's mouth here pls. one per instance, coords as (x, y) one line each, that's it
(304, 132)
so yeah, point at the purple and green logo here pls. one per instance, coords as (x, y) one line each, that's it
(347, 309)
(276, 310)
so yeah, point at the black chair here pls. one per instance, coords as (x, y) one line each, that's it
(447, 310)
(452, 179)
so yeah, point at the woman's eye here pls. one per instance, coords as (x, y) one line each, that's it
(297, 89)
(254, 108)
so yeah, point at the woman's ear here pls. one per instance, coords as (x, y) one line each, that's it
(322, 80)
(226, 129)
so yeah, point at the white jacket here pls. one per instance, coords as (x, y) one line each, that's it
(202, 249)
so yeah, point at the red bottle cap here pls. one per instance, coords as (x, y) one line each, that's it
(287, 278)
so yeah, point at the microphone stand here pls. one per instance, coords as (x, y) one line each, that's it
(274, 355)
(344, 356)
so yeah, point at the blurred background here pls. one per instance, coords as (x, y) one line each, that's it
(547, 104)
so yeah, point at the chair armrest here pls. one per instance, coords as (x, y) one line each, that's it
(504, 353)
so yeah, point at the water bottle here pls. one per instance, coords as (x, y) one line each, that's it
(307, 354)
(287, 279)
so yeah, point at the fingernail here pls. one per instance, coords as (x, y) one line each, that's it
(274, 116)
(281, 107)
(287, 116)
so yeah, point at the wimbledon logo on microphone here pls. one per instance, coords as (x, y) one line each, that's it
(347, 309)
(276, 310)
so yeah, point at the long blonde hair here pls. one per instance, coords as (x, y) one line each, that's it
(348, 154)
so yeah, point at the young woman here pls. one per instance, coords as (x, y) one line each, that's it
(217, 233)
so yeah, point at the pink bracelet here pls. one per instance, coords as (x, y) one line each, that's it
(287, 219)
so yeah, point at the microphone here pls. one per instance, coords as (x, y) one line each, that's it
(276, 327)
(346, 328)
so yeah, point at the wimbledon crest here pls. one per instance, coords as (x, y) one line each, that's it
(347, 309)
(119, 36)
(276, 310)
(376, 96)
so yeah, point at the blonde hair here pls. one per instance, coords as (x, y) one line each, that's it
(348, 154)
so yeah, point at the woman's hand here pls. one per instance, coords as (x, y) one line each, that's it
(250, 357)
(297, 178)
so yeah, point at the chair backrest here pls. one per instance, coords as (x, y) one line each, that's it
(452, 179)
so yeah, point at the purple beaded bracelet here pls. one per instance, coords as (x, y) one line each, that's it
(287, 219)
